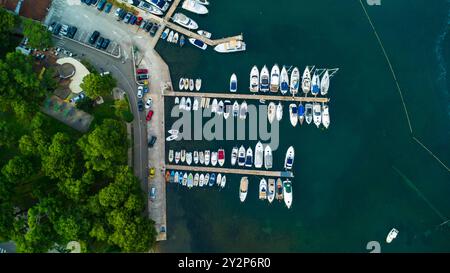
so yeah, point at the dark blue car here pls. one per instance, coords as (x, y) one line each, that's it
(101, 4)
(133, 19)
(108, 7)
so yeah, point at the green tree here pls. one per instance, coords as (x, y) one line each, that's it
(99, 232)
(37, 34)
(42, 141)
(95, 85)
(7, 138)
(77, 189)
(60, 162)
(17, 169)
(27, 146)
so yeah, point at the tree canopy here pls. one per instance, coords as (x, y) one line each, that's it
(95, 85)
(38, 35)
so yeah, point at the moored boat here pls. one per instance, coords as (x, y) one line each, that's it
(271, 191)
(185, 179)
(177, 100)
(325, 83)
(206, 181)
(203, 2)
(190, 181)
(175, 38)
(213, 158)
(212, 179)
(204, 33)
(182, 104)
(234, 156)
(220, 108)
(308, 113)
(325, 116)
(264, 80)
(287, 193)
(165, 33)
(279, 190)
(170, 37)
(306, 81)
(183, 156)
(184, 21)
(289, 159)
(317, 114)
(198, 84)
(214, 106)
(271, 112)
(170, 156)
(274, 78)
(241, 156)
(196, 179)
(196, 157)
(284, 81)
(223, 181)
(262, 189)
(259, 155)
(195, 105)
(295, 81)
(198, 43)
(279, 114)
(254, 79)
(167, 177)
(181, 84)
(315, 84)
(218, 179)
(233, 83)
(227, 108)
(249, 158)
(177, 157)
(301, 113)
(221, 157)
(201, 157)
(201, 180)
(268, 159)
(191, 84)
(182, 40)
(231, 46)
(391, 235)
(172, 176)
(176, 178)
(171, 137)
(186, 83)
(293, 114)
(235, 109)
(243, 110)
(189, 158)
(243, 188)
(194, 6)
(188, 104)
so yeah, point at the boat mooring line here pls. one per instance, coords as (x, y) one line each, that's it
(431, 153)
(421, 195)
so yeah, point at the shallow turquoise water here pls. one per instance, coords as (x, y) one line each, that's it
(346, 190)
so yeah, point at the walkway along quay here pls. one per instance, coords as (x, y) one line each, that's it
(283, 174)
(256, 96)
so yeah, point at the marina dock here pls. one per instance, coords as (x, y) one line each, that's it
(201, 169)
(255, 96)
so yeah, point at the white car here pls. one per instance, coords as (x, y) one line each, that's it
(149, 103)
(140, 92)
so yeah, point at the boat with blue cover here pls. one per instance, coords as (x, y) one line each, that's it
(301, 113)
(212, 179)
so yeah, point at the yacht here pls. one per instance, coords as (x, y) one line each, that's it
(233, 83)
(221, 157)
(249, 158)
(212, 179)
(262, 189)
(295, 81)
(315, 84)
(231, 46)
(198, 84)
(196, 157)
(293, 114)
(182, 104)
(392, 235)
(301, 113)
(194, 6)
(275, 79)
(271, 112)
(177, 100)
(243, 110)
(184, 21)
(279, 114)
(173, 131)
(189, 158)
(177, 157)
(195, 105)
(185, 178)
(219, 179)
(160, 4)
(183, 156)
(191, 84)
(227, 110)
(207, 157)
(306, 81)
(148, 7)
(198, 43)
(241, 156)
(186, 83)
(176, 178)
(188, 104)
(308, 113)
(271, 192)
(287, 193)
(254, 79)
(289, 159)
(190, 181)
(220, 108)
(175, 38)
(204, 33)
(284, 81)
(223, 181)
(203, 2)
(170, 37)
(259, 155)
(234, 156)
(243, 187)
(196, 179)
(170, 156)
(264, 80)
(206, 181)
(317, 114)
(165, 33)
(201, 180)
(171, 137)
(235, 109)
(172, 175)
(279, 191)
(325, 83)
(181, 84)
(201, 157)
(214, 106)
(325, 116)
(268, 160)
(213, 158)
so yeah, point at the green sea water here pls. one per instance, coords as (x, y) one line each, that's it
(364, 175)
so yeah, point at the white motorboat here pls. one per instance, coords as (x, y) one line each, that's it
(235, 109)
(264, 80)
(191, 84)
(165, 33)
(220, 108)
(201, 157)
(194, 6)
(184, 21)
(176, 177)
(289, 159)
(183, 156)
(150, 8)
(213, 158)
(279, 190)
(173, 131)
(205, 183)
(190, 181)
(301, 113)
(177, 100)
(317, 114)
(181, 84)
(325, 116)
(271, 112)
(392, 235)
(274, 78)
(171, 137)
(196, 179)
(287, 193)
(186, 83)
(218, 179)
(271, 191)
(254, 79)
(306, 81)
(214, 106)
(231, 46)
(284, 81)
(243, 188)
(170, 37)
(234, 156)
(182, 104)
(207, 157)
(263, 189)
(223, 181)
(196, 157)
(198, 43)
(189, 158)
(204, 33)
(227, 108)
(171, 156)
(158, 4)
(185, 178)
(221, 157)
(195, 105)
(315, 84)
(175, 38)
(188, 104)
(295, 81)
(308, 113)
(201, 180)
(325, 83)
(249, 158)
(198, 84)
(293, 114)
(177, 157)
(241, 156)
(259, 155)
(268, 159)
(243, 110)
(233, 83)
(279, 114)
(203, 2)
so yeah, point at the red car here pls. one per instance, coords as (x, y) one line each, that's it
(142, 71)
(149, 115)
(139, 21)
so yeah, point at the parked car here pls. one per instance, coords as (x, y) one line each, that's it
(149, 103)
(56, 29)
(71, 32)
(140, 91)
(152, 193)
(151, 172)
(100, 42)
(143, 24)
(101, 5)
(122, 15)
(140, 104)
(142, 71)
(105, 73)
(127, 18)
(51, 27)
(77, 98)
(105, 43)
(141, 77)
(149, 115)
(148, 26)
(139, 21)
(133, 19)
(118, 12)
(152, 141)
(153, 30)
(94, 37)
(108, 7)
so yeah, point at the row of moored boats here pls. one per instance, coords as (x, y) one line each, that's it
(188, 84)
(269, 190)
(196, 180)
(221, 107)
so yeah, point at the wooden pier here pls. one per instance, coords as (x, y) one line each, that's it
(255, 96)
(202, 169)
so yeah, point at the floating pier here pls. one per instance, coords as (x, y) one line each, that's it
(202, 169)
(255, 96)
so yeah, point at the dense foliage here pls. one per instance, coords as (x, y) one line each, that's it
(38, 35)
(95, 85)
